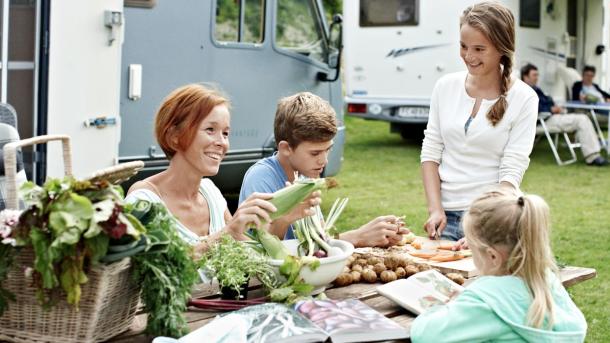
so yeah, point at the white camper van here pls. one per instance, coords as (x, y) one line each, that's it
(395, 50)
(97, 70)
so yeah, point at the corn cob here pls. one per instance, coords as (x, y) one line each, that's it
(287, 198)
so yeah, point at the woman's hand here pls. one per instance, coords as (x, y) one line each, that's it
(437, 220)
(380, 232)
(254, 212)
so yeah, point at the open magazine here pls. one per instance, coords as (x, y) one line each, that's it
(350, 320)
(309, 321)
(421, 291)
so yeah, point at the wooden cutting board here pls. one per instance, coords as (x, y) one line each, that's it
(464, 266)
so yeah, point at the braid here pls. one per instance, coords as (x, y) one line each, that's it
(496, 112)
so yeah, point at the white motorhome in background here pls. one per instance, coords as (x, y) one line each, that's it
(97, 70)
(395, 50)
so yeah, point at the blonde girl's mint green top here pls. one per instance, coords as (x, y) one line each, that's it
(494, 309)
(216, 203)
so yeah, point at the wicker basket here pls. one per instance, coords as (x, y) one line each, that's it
(108, 300)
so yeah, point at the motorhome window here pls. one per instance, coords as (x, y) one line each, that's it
(299, 28)
(389, 13)
(141, 3)
(529, 13)
(239, 21)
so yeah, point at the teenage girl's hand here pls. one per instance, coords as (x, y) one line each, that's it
(437, 220)
(251, 213)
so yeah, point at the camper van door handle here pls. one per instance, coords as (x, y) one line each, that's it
(100, 122)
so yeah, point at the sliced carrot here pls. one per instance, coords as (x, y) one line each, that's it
(423, 254)
(416, 244)
(446, 246)
(446, 258)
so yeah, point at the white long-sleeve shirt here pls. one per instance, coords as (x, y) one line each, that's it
(471, 162)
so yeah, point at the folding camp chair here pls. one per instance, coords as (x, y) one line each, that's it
(554, 141)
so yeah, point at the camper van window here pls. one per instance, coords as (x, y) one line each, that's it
(140, 3)
(389, 13)
(299, 28)
(529, 13)
(237, 24)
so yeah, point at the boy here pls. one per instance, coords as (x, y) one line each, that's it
(304, 128)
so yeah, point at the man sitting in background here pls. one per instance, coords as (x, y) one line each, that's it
(587, 91)
(560, 122)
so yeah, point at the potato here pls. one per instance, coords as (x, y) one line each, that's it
(455, 277)
(403, 261)
(378, 268)
(357, 268)
(351, 259)
(400, 272)
(361, 262)
(423, 267)
(411, 270)
(344, 279)
(388, 276)
(374, 260)
(356, 276)
(369, 276)
(391, 262)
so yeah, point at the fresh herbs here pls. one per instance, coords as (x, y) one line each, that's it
(165, 271)
(294, 288)
(69, 224)
(313, 232)
(233, 264)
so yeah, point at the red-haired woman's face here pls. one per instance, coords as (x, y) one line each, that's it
(211, 142)
(478, 53)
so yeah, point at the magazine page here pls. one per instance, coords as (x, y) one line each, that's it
(350, 320)
(421, 291)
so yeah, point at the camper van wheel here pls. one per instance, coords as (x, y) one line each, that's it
(412, 132)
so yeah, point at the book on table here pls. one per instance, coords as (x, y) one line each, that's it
(350, 320)
(421, 291)
(308, 321)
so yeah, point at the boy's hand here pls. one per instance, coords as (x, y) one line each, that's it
(305, 208)
(380, 232)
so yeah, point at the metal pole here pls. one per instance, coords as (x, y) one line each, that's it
(4, 65)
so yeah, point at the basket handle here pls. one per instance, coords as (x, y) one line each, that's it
(10, 162)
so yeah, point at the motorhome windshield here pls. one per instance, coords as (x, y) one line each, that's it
(300, 29)
(389, 13)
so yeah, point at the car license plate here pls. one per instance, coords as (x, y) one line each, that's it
(413, 112)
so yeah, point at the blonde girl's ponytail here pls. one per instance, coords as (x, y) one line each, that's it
(521, 224)
(497, 23)
(532, 259)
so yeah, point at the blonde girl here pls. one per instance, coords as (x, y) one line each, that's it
(518, 296)
(482, 121)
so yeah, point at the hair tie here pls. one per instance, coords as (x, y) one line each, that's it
(520, 201)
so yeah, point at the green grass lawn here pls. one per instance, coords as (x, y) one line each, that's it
(381, 175)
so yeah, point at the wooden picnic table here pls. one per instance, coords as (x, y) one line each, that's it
(365, 292)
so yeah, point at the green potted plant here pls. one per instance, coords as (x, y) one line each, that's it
(233, 264)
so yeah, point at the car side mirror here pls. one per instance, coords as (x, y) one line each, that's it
(335, 44)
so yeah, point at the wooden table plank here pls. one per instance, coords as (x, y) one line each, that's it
(366, 292)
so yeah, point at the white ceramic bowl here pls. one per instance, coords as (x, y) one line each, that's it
(330, 266)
